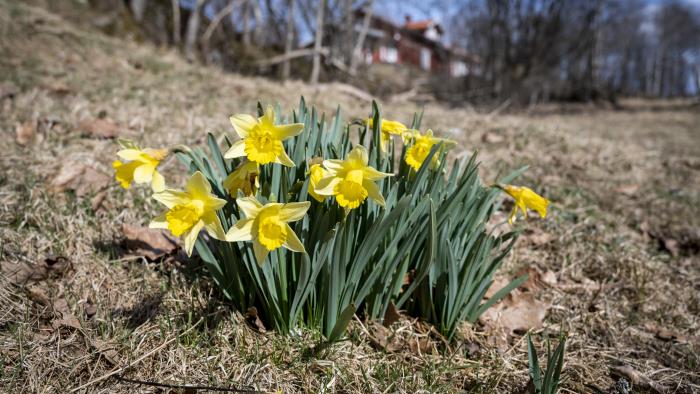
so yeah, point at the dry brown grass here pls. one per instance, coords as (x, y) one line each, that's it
(625, 234)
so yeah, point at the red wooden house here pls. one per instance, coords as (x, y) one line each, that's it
(415, 43)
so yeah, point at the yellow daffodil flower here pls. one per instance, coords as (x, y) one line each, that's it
(140, 168)
(190, 210)
(389, 128)
(351, 180)
(316, 173)
(243, 178)
(261, 140)
(421, 146)
(267, 226)
(525, 198)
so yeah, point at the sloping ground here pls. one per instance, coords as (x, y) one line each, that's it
(616, 261)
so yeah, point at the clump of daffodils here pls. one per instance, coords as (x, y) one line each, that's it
(289, 201)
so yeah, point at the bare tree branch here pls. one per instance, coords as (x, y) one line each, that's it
(357, 51)
(215, 21)
(293, 55)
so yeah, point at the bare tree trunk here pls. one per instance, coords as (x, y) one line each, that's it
(176, 22)
(138, 7)
(215, 21)
(346, 46)
(289, 39)
(258, 31)
(357, 51)
(246, 22)
(318, 40)
(192, 29)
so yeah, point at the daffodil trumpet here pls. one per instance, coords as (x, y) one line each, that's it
(190, 211)
(316, 173)
(524, 198)
(139, 166)
(261, 139)
(421, 144)
(243, 178)
(267, 226)
(351, 180)
(388, 128)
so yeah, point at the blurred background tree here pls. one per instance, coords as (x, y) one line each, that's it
(520, 51)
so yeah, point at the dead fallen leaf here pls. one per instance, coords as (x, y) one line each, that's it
(38, 295)
(391, 316)
(549, 277)
(150, 243)
(517, 313)
(381, 338)
(67, 319)
(106, 349)
(21, 273)
(645, 228)
(8, 90)
(536, 279)
(100, 128)
(89, 308)
(672, 246)
(637, 378)
(24, 132)
(628, 190)
(420, 346)
(253, 319)
(666, 334)
(80, 178)
(59, 88)
(538, 237)
(492, 138)
(98, 200)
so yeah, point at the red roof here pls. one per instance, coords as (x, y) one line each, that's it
(419, 25)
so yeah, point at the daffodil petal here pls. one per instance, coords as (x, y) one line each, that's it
(512, 215)
(372, 174)
(171, 197)
(326, 185)
(242, 123)
(191, 237)
(288, 130)
(159, 222)
(260, 253)
(198, 186)
(130, 154)
(144, 173)
(215, 203)
(373, 192)
(236, 150)
(283, 159)
(293, 211)
(157, 182)
(269, 116)
(241, 231)
(292, 242)
(359, 153)
(333, 165)
(213, 226)
(249, 205)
